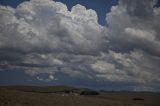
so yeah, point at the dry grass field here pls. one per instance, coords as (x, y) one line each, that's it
(46, 96)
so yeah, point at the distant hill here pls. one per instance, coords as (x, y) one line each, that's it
(40, 89)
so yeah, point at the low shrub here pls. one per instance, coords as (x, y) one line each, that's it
(89, 93)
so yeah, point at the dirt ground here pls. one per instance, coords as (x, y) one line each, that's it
(13, 97)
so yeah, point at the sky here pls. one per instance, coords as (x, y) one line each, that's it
(101, 7)
(107, 44)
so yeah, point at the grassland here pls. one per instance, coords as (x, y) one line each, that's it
(48, 96)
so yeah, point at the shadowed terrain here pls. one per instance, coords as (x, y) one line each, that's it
(69, 96)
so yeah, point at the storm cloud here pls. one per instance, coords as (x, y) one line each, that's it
(42, 37)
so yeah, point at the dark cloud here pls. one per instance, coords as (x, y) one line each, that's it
(128, 27)
(141, 9)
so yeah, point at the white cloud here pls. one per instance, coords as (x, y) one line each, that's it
(48, 79)
(79, 12)
(140, 34)
(57, 62)
(51, 77)
(103, 67)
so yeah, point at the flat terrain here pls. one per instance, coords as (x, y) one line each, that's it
(54, 96)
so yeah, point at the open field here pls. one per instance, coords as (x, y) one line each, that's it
(54, 96)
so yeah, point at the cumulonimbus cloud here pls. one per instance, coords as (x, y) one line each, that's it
(44, 37)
